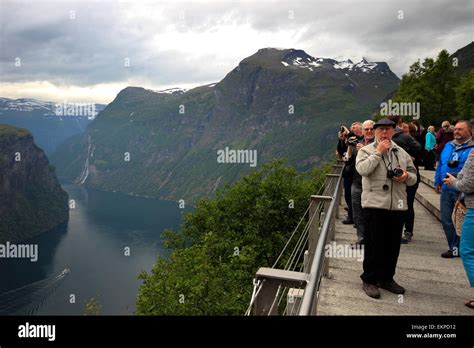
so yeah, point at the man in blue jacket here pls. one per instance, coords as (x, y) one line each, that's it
(451, 161)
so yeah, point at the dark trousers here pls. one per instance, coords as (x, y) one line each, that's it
(410, 215)
(430, 160)
(358, 212)
(382, 244)
(348, 196)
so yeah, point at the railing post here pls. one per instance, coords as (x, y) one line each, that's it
(266, 297)
(266, 301)
(294, 299)
(306, 261)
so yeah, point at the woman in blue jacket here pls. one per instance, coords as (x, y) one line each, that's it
(430, 142)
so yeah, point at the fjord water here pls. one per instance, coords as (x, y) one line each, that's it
(93, 246)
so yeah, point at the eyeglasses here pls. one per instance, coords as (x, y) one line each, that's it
(384, 129)
(368, 129)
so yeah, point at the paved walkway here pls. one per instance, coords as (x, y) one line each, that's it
(434, 286)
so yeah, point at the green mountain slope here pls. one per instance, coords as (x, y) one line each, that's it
(465, 56)
(281, 103)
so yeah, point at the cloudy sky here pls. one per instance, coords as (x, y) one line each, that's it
(87, 51)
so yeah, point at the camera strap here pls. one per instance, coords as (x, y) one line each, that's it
(389, 165)
(462, 148)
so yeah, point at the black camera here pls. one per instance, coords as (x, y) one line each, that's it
(394, 173)
(453, 174)
(353, 141)
(453, 163)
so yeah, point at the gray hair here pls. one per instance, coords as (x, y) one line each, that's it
(368, 123)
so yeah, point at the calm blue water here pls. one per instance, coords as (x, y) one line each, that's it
(92, 246)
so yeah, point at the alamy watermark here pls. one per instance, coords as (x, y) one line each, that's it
(75, 109)
(19, 251)
(28, 330)
(401, 109)
(344, 251)
(237, 156)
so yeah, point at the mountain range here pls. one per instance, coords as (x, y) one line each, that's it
(279, 102)
(48, 127)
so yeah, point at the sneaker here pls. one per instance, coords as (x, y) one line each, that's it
(448, 255)
(392, 286)
(371, 290)
(348, 222)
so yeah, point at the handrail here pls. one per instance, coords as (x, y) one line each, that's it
(309, 295)
(301, 288)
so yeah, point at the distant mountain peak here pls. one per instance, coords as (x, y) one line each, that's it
(300, 59)
(292, 58)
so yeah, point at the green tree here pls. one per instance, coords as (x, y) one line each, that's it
(432, 84)
(465, 96)
(224, 241)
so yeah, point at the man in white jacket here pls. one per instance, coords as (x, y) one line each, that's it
(386, 170)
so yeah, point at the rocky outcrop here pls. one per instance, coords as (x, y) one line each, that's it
(31, 199)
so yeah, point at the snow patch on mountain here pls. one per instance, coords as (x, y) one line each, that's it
(300, 59)
(25, 104)
(363, 65)
(173, 91)
(300, 62)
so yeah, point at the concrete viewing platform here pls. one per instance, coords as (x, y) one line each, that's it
(434, 286)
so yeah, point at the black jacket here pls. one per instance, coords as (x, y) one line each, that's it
(341, 147)
(407, 142)
(349, 170)
(410, 145)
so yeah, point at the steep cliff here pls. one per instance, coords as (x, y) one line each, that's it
(31, 199)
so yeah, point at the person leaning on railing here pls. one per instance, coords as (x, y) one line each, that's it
(386, 170)
(465, 183)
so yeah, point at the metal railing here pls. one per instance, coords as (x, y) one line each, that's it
(299, 279)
